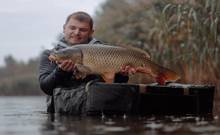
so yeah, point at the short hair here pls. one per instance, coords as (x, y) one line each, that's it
(82, 17)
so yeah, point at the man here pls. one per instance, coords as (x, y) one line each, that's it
(78, 29)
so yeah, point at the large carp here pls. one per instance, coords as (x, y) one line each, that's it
(106, 60)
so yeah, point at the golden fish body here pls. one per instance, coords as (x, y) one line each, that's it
(107, 60)
(102, 58)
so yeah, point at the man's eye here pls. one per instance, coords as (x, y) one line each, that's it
(72, 28)
(84, 29)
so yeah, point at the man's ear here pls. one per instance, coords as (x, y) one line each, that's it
(91, 32)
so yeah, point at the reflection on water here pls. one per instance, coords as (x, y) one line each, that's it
(26, 115)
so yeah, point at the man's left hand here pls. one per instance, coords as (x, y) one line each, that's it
(127, 70)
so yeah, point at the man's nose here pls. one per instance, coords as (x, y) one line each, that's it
(76, 31)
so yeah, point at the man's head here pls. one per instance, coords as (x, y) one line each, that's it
(78, 28)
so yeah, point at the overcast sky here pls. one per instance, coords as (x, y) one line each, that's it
(29, 26)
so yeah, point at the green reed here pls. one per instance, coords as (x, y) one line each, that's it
(182, 35)
(187, 36)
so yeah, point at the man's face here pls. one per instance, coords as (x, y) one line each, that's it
(76, 32)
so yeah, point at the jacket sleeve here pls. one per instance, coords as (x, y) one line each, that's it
(50, 76)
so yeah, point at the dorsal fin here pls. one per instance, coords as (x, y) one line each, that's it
(146, 53)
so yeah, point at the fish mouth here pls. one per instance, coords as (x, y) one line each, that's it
(55, 58)
(52, 58)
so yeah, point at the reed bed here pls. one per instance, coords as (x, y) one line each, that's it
(180, 34)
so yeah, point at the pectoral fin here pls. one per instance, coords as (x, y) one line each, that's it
(108, 77)
(82, 71)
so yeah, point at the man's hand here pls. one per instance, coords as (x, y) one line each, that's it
(144, 69)
(127, 70)
(66, 65)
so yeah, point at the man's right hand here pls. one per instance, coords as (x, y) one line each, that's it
(66, 65)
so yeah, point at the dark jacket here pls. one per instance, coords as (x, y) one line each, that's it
(51, 76)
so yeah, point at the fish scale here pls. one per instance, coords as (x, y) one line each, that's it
(108, 58)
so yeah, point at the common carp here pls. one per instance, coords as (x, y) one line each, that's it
(106, 60)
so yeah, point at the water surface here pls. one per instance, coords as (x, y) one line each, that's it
(27, 116)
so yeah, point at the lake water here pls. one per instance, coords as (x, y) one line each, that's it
(27, 116)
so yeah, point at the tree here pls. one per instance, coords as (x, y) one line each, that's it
(10, 61)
